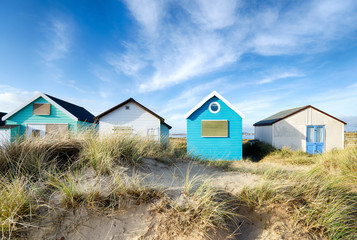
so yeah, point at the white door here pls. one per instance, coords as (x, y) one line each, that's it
(153, 133)
(34, 130)
(4, 136)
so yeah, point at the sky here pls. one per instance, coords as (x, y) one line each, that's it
(262, 56)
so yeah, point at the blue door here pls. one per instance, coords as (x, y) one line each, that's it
(315, 136)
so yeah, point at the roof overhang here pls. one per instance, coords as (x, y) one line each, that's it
(33, 99)
(8, 126)
(214, 94)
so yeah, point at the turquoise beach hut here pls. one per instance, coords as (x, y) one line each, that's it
(44, 114)
(214, 129)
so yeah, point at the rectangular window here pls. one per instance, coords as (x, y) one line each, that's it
(214, 128)
(310, 134)
(56, 129)
(319, 134)
(42, 109)
(122, 130)
(36, 133)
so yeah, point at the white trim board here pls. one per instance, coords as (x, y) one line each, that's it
(212, 94)
(33, 99)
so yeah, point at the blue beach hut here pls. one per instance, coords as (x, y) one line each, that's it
(214, 129)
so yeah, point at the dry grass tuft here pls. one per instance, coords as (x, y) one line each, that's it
(15, 203)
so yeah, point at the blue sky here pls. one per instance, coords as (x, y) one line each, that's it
(262, 56)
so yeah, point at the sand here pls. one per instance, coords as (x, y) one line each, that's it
(137, 221)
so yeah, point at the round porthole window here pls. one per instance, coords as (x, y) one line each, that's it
(214, 107)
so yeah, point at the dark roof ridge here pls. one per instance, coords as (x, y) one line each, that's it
(80, 112)
(162, 120)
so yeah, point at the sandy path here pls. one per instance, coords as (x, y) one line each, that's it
(137, 222)
(174, 176)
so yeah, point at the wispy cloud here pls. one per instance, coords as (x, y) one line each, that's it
(11, 97)
(212, 15)
(147, 13)
(57, 43)
(305, 28)
(340, 101)
(72, 84)
(190, 97)
(128, 64)
(205, 36)
(279, 76)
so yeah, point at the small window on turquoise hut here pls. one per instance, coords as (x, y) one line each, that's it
(214, 128)
(214, 107)
(42, 109)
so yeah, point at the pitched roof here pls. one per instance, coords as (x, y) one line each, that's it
(212, 94)
(1, 115)
(287, 113)
(80, 112)
(73, 111)
(162, 120)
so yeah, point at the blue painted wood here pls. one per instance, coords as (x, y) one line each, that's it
(313, 146)
(227, 148)
(164, 133)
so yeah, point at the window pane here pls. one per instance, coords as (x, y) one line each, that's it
(36, 133)
(214, 107)
(310, 134)
(214, 128)
(319, 134)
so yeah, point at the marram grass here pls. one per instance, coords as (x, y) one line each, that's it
(322, 200)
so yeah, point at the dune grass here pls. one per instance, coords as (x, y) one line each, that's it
(57, 163)
(15, 203)
(200, 207)
(321, 200)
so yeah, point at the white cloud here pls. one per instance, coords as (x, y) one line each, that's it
(194, 55)
(213, 14)
(279, 76)
(57, 40)
(11, 98)
(306, 28)
(337, 102)
(147, 13)
(103, 74)
(126, 64)
(211, 35)
(190, 97)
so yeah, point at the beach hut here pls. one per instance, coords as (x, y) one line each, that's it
(6, 132)
(44, 114)
(214, 129)
(131, 117)
(304, 128)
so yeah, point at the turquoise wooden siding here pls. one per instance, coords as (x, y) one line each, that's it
(227, 148)
(164, 133)
(25, 116)
(15, 134)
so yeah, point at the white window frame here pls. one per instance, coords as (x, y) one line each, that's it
(219, 107)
